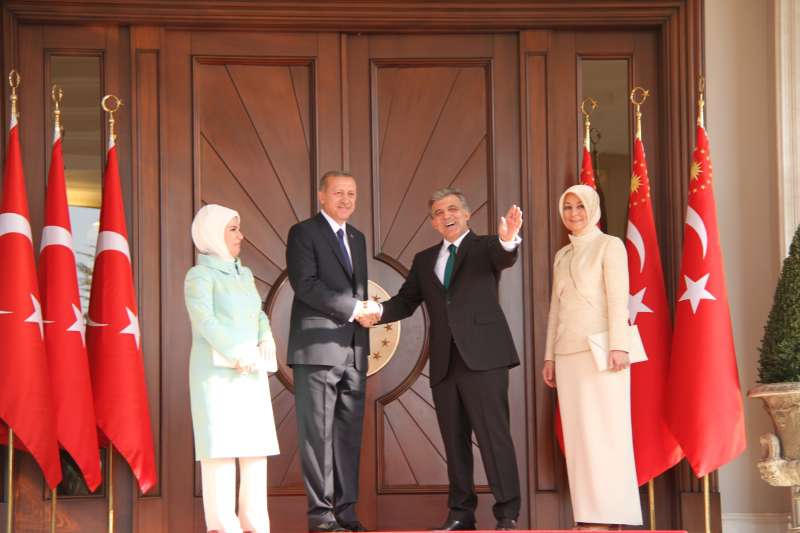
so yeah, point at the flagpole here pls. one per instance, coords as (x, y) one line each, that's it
(707, 503)
(53, 510)
(110, 467)
(701, 122)
(56, 94)
(10, 483)
(651, 496)
(111, 104)
(13, 81)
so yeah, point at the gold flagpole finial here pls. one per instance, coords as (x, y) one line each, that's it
(586, 122)
(701, 102)
(111, 105)
(14, 80)
(638, 96)
(56, 94)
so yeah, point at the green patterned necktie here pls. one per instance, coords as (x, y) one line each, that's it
(451, 262)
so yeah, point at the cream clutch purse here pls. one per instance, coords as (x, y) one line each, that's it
(262, 361)
(598, 343)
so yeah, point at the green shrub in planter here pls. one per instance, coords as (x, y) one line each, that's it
(780, 348)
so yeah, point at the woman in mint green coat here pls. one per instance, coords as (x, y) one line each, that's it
(232, 351)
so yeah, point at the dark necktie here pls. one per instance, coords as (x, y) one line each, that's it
(343, 249)
(451, 262)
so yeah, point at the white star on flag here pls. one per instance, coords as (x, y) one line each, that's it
(79, 325)
(636, 305)
(696, 291)
(36, 316)
(133, 327)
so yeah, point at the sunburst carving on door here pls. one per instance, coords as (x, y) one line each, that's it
(432, 126)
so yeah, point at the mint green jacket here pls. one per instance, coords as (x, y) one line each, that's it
(231, 412)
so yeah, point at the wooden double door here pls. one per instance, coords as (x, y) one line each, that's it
(251, 120)
(254, 120)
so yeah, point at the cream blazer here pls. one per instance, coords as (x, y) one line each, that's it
(590, 294)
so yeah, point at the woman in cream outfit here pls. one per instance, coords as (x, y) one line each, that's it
(590, 295)
(231, 405)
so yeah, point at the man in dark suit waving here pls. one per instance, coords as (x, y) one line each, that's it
(326, 259)
(471, 350)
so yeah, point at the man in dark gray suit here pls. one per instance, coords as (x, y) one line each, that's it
(471, 351)
(326, 259)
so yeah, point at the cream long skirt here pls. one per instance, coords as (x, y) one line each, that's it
(596, 419)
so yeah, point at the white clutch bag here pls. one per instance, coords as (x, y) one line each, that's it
(598, 343)
(260, 361)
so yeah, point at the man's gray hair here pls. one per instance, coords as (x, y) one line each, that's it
(323, 181)
(448, 191)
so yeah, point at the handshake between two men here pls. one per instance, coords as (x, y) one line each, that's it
(368, 313)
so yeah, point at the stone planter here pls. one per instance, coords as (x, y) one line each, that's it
(781, 464)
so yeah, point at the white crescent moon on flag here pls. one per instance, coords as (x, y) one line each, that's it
(694, 221)
(55, 236)
(111, 240)
(15, 223)
(635, 237)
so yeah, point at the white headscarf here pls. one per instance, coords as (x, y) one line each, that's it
(208, 230)
(590, 200)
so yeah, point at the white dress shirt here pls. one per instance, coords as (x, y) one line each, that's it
(444, 253)
(335, 226)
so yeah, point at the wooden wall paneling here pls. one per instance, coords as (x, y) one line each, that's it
(546, 475)
(145, 60)
(515, 288)
(341, 15)
(177, 250)
(328, 99)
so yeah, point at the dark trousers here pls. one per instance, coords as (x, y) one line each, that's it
(468, 401)
(330, 415)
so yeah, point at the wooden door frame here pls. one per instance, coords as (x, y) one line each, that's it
(679, 24)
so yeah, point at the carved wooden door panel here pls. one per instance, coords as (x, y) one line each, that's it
(427, 113)
(256, 116)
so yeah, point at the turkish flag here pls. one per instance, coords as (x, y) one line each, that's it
(655, 448)
(26, 403)
(705, 402)
(113, 338)
(587, 172)
(65, 332)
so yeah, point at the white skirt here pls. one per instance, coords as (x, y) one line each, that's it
(596, 419)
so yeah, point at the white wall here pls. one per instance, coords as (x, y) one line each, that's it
(741, 124)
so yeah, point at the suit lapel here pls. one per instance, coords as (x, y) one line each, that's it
(429, 267)
(463, 250)
(359, 274)
(332, 241)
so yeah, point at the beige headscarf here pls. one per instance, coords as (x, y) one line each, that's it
(208, 230)
(590, 200)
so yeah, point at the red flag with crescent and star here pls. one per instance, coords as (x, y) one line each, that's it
(65, 331)
(114, 339)
(587, 172)
(26, 403)
(655, 449)
(705, 403)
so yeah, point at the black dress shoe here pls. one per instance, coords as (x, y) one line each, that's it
(506, 524)
(355, 525)
(333, 525)
(457, 525)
